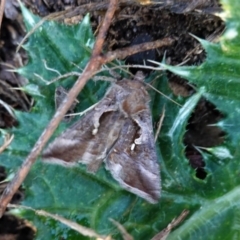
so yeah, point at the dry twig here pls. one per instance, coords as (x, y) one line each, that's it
(77, 227)
(176, 221)
(94, 64)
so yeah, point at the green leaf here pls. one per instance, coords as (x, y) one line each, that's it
(91, 200)
(219, 76)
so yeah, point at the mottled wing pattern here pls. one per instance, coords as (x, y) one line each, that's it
(133, 160)
(78, 143)
(119, 131)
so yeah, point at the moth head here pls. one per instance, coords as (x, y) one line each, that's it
(137, 99)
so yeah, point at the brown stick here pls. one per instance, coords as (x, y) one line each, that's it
(175, 222)
(124, 52)
(93, 65)
(95, 62)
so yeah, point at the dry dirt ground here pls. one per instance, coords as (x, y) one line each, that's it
(133, 23)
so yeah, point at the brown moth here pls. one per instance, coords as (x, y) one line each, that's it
(60, 94)
(119, 132)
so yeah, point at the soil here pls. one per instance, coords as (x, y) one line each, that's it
(133, 23)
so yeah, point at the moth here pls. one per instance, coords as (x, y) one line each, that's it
(117, 131)
(60, 94)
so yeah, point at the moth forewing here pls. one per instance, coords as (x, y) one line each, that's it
(78, 143)
(119, 131)
(136, 168)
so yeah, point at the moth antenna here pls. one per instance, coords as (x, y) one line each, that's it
(112, 72)
(147, 67)
(121, 67)
(149, 85)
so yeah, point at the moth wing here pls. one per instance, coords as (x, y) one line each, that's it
(80, 143)
(133, 159)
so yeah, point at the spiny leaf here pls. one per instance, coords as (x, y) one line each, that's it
(219, 76)
(92, 199)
